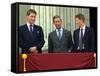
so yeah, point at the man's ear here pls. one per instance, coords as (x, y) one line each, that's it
(26, 16)
(53, 22)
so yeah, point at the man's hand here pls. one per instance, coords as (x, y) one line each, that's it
(33, 50)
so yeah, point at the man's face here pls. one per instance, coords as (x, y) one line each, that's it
(79, 22)
(57, 22)
(31, 18)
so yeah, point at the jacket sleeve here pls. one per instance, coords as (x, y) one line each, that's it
(70, 42)
(24, 46)
(41, 40)
(50, 44)
(92, 40)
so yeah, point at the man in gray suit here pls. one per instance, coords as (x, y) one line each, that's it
(60, 40)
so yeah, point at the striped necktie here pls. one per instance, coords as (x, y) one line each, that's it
(80, 39)
(59, 34)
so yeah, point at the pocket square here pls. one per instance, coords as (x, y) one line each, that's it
(38, 32)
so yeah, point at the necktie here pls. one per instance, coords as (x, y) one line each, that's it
(59, 34)
(31, 30)
(80, 39)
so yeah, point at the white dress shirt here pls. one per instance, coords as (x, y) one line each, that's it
(61, 32)
(28, 25)
(83, 33)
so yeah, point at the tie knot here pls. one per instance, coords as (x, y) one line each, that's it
(31, 28)
(30, 25)
(81, 29)
(58, 29)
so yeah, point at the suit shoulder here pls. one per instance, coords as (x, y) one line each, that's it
(89, 28)
(51, 33)
(76, 30)
(37, 26)
(67, 31)
(22, 26)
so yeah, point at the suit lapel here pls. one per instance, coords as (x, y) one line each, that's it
(77, 35)
(55, 35)
(63, 34)
(27, 31)
(35, 31)
(85, 32)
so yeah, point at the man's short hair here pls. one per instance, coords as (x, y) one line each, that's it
(80, 16)
(56, 17)
(31, 11)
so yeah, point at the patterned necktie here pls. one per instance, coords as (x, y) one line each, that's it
(59, 34)
(31, 30)
(80, 40)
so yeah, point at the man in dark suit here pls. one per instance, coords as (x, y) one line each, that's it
(83, 36)
(31, 37)
(60, 40)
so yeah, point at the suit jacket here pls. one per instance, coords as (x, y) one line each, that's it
(88, 39)
(27, 39)
(63, 45)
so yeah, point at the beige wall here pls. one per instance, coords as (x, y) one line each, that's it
(46, 13)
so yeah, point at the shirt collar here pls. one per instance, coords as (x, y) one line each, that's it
(83, 27)
(60, 29)
(28, 24)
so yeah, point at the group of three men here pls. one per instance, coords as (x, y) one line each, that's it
(31, 38)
